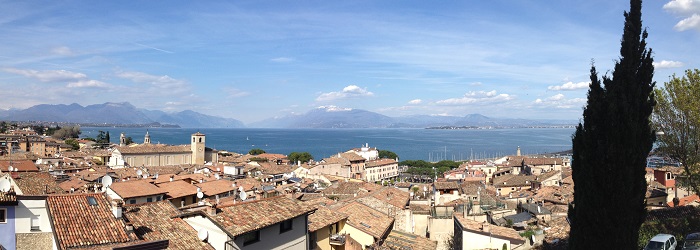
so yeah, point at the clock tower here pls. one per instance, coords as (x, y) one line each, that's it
(198, 148)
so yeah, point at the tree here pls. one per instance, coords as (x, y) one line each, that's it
(256, 151)
(299, 157)
(128, 140)
(67, 132)
(387, 154)
(102, 137)
(611, 145)
(677, 115)
(75, 145)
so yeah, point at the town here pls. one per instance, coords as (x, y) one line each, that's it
(154, 196)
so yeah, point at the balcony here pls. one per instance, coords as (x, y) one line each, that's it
(337, 239)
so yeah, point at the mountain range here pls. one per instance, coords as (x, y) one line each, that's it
(116, 113)
(322, 117)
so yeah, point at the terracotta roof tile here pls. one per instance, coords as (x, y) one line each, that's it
(324, 217)
(21, 165)
(74, 183)
(37, 183)
(446, 185)
(367, 219)
(495, 231)
(400, 240)
(76, 223)
(350, 156)
(245, 217)
(513, 180)
(177, 189)
(154, 221)
(133, 189)
(380, 162)
(393, 196)
(154, 148)
(211, 188)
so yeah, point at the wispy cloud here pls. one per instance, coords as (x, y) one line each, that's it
(88, 84)
(48, 75)
(234, 92)
(282, 59)
(351, 91)
(62, 51)
(570, 86)
(162, 82)
(477, 97)
(560, 101)
(689, 10)
(154, 48)
(667, 64)
(415, 102)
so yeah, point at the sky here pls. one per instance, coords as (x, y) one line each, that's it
(252, 60)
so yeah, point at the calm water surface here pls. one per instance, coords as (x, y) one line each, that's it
(409, 144)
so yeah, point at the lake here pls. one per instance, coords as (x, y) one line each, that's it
(409, 144)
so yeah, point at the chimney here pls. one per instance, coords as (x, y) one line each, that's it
(171, 178)
(117, 210)
(485, 227)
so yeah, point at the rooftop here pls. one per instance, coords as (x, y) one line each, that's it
(367, 219)
(136, 188)
(244, 217)
(156, 221)
(493, 230)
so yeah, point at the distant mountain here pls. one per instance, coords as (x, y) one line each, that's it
(329, 117)
(334, 117)
(116, 113)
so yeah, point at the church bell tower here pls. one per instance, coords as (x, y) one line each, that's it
(198, 148)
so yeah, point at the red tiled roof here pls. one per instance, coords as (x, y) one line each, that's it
(211, 188)
(393, 196)
(493, 230)
(72, 183)
(37, 183)
(177, 189)
(446, 185)
(245, 217)
(154, 148)
(154, 221)
(324, 217)
(686, 200)
(367, 219)
(20, 165)
(133, 189)
(401, 240)
(76, 223)
(380, 162)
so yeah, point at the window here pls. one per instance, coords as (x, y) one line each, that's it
(3, 215)
(132, 201)
(250, 237)
(158, 198)
(35, 226)
(92, 201)
(285, 226)
(149, 199)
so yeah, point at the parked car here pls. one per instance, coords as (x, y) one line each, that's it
(692, 241)
(662, 242)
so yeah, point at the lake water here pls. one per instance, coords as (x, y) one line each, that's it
(409, 144)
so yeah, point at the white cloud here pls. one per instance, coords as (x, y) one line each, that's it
(667, 64)
(282, 59)
(63, 51)
(333, 108)
(163, 82)
(416, 101)
(692, 22)
(478, 97)
(683, 6)
(570, 86)
(559, 101)
(233, 92)
(88, 84)
(689, 10)
(351, 91)
(48, 75)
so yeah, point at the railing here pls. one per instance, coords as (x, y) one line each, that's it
(337, 239)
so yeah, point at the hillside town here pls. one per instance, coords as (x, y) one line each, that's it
(155, 196)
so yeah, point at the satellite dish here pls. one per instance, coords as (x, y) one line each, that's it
(106, 181)
(10, 168)
(145, 176)
(202, 234)
(206, 170)
(139, 172)
(218, 169)
(5, 185)
(16, 169)
(240, 189)
(200, 195)
(243, 195)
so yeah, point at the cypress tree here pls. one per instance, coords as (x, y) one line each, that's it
(610, 147)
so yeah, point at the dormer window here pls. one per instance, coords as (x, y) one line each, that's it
(668, 176)
(92, 201)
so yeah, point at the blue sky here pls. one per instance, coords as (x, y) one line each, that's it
(252, 60)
